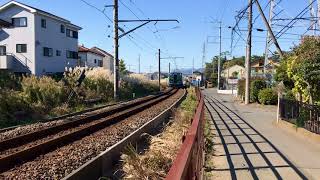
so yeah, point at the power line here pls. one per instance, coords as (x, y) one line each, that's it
(96, 8)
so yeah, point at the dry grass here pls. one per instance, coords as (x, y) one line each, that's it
(157, 160)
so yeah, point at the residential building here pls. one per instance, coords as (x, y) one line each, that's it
(35, 41)
(108, 60)
(90, 57)
(257, 67)
(235, 71)
(95, 57)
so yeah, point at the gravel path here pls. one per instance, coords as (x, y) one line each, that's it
(62, 161)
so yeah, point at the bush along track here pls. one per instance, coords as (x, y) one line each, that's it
(156, 161)
(29, 99)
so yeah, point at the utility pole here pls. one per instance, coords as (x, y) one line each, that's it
(313, 21)
(220, 49)
(192, 66)
(274, 39)
(248, 54)
(266, 55)
(169, 68)
(203, 56)
(139, 64)
(159, 69)
(318, 13)
(116, 52)
(129, 66)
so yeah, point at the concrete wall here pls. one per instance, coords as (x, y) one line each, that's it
(9, 37)
(108, 63)
(52, 37)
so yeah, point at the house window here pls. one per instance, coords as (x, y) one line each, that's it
(3, 50)
(47, 52)
(43, 23)
(72, 34)
(58, 53)
(62, 28)
(72, 55)
(100, 63)
(75, 34)
(69, 33)
(21, 48)
(19, 22)
(95, 61)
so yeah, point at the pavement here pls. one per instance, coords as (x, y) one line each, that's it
(247, 144)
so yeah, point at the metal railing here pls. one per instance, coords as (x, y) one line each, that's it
(189, 161)
(302, 114)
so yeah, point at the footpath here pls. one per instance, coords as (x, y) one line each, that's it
(248, 145)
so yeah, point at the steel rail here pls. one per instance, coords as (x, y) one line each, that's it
(32, 136)
(9, 161)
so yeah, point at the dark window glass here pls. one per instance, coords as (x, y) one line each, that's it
(58, 53)
(72, 55)
(47, 52)
(71, 33)
(100, 64)
(21, 48)
(75, 55)
(3, 50)
(19, 22)
(62, 28)
(43, 23)
(68, 33)
(95, 61)
(75, 34)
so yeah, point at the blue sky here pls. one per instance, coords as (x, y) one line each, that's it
(184, 39)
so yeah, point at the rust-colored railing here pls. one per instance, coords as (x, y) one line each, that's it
(189, 161)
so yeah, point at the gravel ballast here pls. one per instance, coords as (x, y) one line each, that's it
(62, 161)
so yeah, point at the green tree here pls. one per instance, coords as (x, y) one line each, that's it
(303, 68)
(282, 74)
(122, 67)
(234, 61)
(211, 71)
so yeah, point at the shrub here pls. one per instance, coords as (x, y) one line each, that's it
(11, 102)
(289, 95)
(98, 88)
(45, 91)
(241, 88)
(138, 84)
(9, 80)
(255, 88)
(268, 97)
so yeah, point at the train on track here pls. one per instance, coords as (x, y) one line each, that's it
(176, 80)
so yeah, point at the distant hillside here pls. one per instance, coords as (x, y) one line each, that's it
(188, 71)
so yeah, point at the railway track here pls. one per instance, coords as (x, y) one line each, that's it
(23, 148)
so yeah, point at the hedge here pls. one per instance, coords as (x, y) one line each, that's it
(268, 97)
(256, 87)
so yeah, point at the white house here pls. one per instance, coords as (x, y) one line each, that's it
(235, 71)
(108, 60)
(34, 41)
(90, 57)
